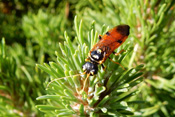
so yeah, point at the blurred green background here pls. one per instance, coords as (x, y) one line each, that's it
(30, 32)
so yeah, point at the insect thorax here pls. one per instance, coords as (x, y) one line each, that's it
(96, 56)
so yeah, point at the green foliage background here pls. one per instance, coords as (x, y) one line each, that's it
(31, 32)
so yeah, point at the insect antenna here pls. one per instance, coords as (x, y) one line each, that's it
(63, 78)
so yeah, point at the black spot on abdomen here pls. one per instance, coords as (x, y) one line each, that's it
(123, 30)
(107, 33)
(119, 41)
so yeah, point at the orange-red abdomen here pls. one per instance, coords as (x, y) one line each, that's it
(112, 40)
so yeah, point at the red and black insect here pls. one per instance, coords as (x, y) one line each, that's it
(105, 47)
(102, 50)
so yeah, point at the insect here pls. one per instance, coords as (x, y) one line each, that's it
(105, 47)
(102, 50)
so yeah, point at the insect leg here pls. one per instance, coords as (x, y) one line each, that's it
(84, 85)
(100, 37)
(103, 67)
(87, 59)
(116, 63)
(116, 54)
